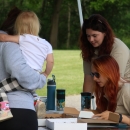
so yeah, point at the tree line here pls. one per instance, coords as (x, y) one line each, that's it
(60, 18)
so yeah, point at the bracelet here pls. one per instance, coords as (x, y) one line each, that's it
(120, 118)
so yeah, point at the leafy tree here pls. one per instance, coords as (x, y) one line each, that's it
(54, 24)
(59, 19)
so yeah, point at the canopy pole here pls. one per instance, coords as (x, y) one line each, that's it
(80, 12)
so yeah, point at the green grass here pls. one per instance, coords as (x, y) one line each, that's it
(68, 71)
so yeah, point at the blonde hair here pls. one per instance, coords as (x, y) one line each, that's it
(27, 22)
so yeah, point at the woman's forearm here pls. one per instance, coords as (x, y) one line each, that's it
(88, 84)
(125, 120)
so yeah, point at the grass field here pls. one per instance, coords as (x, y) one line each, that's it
(68, 71)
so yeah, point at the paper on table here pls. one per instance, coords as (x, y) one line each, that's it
(43, 128)
(86, 114)
(41, 122)
(65, 124)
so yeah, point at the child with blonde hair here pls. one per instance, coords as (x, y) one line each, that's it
(35, 50)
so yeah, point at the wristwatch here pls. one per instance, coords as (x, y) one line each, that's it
(120, 118)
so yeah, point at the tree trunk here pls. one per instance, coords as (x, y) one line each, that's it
(21, 2)
(43, 8)
(68, 35)
(54, 28)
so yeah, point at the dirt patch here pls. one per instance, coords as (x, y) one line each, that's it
(73, 101)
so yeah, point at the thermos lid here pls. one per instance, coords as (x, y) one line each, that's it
(86, 94)
(51, 81)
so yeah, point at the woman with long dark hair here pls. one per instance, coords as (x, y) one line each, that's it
(97, 38)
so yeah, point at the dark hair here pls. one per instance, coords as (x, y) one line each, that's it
(98, 23)
(8, 24)
(109, 68)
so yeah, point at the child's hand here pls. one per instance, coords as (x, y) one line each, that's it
(3, 37)
(45, 74)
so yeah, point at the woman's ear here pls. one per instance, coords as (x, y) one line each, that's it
(104, 34)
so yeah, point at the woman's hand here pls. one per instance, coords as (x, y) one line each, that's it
(104, 115)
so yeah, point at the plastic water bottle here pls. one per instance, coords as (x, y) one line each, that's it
(51, 88)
